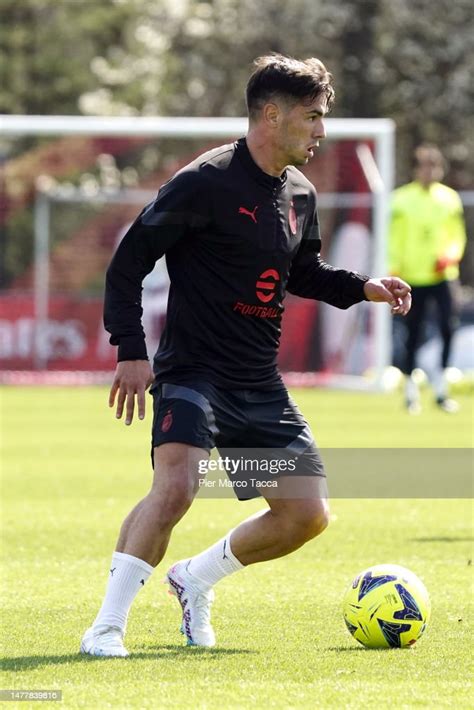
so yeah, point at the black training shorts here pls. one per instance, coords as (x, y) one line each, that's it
(247, 426)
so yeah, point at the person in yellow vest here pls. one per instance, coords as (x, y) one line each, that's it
(426, 243)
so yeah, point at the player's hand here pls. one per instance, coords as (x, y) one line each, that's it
(441, 264)
(132, 378)
(391, 290)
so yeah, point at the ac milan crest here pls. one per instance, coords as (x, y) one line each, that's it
(167, 421)
(292, 219)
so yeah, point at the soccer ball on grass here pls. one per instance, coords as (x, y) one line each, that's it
(386, 606)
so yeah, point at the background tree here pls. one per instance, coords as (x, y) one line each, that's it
(47, 47)
(407, 59)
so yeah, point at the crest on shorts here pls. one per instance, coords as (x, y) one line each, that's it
(292, 219)
(167, 421)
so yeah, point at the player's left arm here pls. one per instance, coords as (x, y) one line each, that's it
(391, 290)
(311, 277)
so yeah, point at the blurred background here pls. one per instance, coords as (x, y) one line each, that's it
(408, 60)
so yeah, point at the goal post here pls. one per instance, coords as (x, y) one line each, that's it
(377, 163)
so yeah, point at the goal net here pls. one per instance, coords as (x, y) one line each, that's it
(72, 185)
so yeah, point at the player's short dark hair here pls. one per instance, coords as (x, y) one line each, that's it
(294, 80)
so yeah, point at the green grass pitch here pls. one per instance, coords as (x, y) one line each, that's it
(70, 474)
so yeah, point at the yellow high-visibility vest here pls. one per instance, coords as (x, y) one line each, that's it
(426, 224)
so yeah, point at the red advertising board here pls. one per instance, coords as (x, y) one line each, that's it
(73, 337)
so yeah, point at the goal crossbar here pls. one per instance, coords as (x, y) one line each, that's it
(172, 126)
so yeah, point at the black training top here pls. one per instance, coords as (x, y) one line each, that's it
(236, 239)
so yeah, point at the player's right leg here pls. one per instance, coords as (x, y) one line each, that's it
(143, 541)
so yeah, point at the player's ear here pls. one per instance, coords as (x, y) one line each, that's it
(272, 115)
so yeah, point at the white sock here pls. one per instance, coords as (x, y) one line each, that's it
(214, 563)
(128, 575)
(440, 385)
(412, 392)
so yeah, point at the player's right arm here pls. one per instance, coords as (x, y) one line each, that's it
(132, 379)
(177, 208)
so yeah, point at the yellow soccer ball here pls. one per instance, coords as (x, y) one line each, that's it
(386, 606)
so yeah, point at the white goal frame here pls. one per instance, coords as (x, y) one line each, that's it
(379, 170)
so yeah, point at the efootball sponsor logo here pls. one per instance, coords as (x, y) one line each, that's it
(248, 309)
(265, 291)
(266, 284)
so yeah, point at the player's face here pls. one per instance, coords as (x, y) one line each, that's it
(302, 128)
(428, 171)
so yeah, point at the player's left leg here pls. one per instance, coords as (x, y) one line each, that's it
(287, 525)
(282, 528)
(298, 509)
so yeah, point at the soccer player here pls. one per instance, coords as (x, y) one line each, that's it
(239, 228)
(427, 241)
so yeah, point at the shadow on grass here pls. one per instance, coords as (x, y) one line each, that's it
(25, 663)
(467, 538)
(367, 649)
